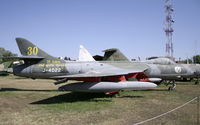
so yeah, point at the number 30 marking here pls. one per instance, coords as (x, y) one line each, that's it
(32, 50)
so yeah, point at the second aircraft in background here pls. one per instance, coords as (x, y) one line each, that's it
(157, 69)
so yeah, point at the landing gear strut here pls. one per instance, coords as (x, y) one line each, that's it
(172, 83)
(113, 93)
(197, 81)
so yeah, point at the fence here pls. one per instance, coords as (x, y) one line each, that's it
(197, 99)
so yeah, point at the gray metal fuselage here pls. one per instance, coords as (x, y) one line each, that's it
(48, 70)
(96, 76)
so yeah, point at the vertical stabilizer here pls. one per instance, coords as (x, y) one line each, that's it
(29, 49)
(84, 55)
(114, 55)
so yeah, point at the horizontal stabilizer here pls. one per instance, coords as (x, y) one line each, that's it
(17, 58)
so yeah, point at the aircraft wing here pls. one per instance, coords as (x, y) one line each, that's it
(100, 73)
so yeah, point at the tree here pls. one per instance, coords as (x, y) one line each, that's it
(5, 53)
(196, 59)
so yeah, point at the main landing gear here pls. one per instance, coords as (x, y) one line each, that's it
(197, 81)
(172, 83)
(113, 93)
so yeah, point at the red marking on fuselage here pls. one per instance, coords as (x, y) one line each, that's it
(139, 76)
(89, 79)
(115, 78)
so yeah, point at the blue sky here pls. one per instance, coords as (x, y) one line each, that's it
(134, 26)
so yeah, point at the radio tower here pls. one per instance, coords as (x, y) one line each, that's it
(168, 28)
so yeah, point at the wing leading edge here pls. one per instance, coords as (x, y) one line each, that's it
(100, 73)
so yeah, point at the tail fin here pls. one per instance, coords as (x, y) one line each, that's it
(114, 55)
(29, 49)
(84, 55)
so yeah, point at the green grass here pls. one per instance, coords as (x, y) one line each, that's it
(75, 102)
(36, 102)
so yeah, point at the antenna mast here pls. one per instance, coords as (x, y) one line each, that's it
(168, 28)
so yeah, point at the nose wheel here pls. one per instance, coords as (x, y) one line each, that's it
(173, 87)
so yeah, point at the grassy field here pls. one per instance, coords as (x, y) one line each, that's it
(37, 102)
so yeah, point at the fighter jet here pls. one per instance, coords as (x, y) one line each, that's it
(166, 61)
(107, 77)
(6, 68)
(158, 70)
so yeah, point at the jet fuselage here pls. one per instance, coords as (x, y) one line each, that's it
(59, 68)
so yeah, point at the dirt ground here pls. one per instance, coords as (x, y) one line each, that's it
(1, 67)
(37, 102)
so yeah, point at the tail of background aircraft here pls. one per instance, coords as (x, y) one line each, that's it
(109, 55)
(114, 55)
(84, 55)
(29, 49)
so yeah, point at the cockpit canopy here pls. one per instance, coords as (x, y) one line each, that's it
(160, 60)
